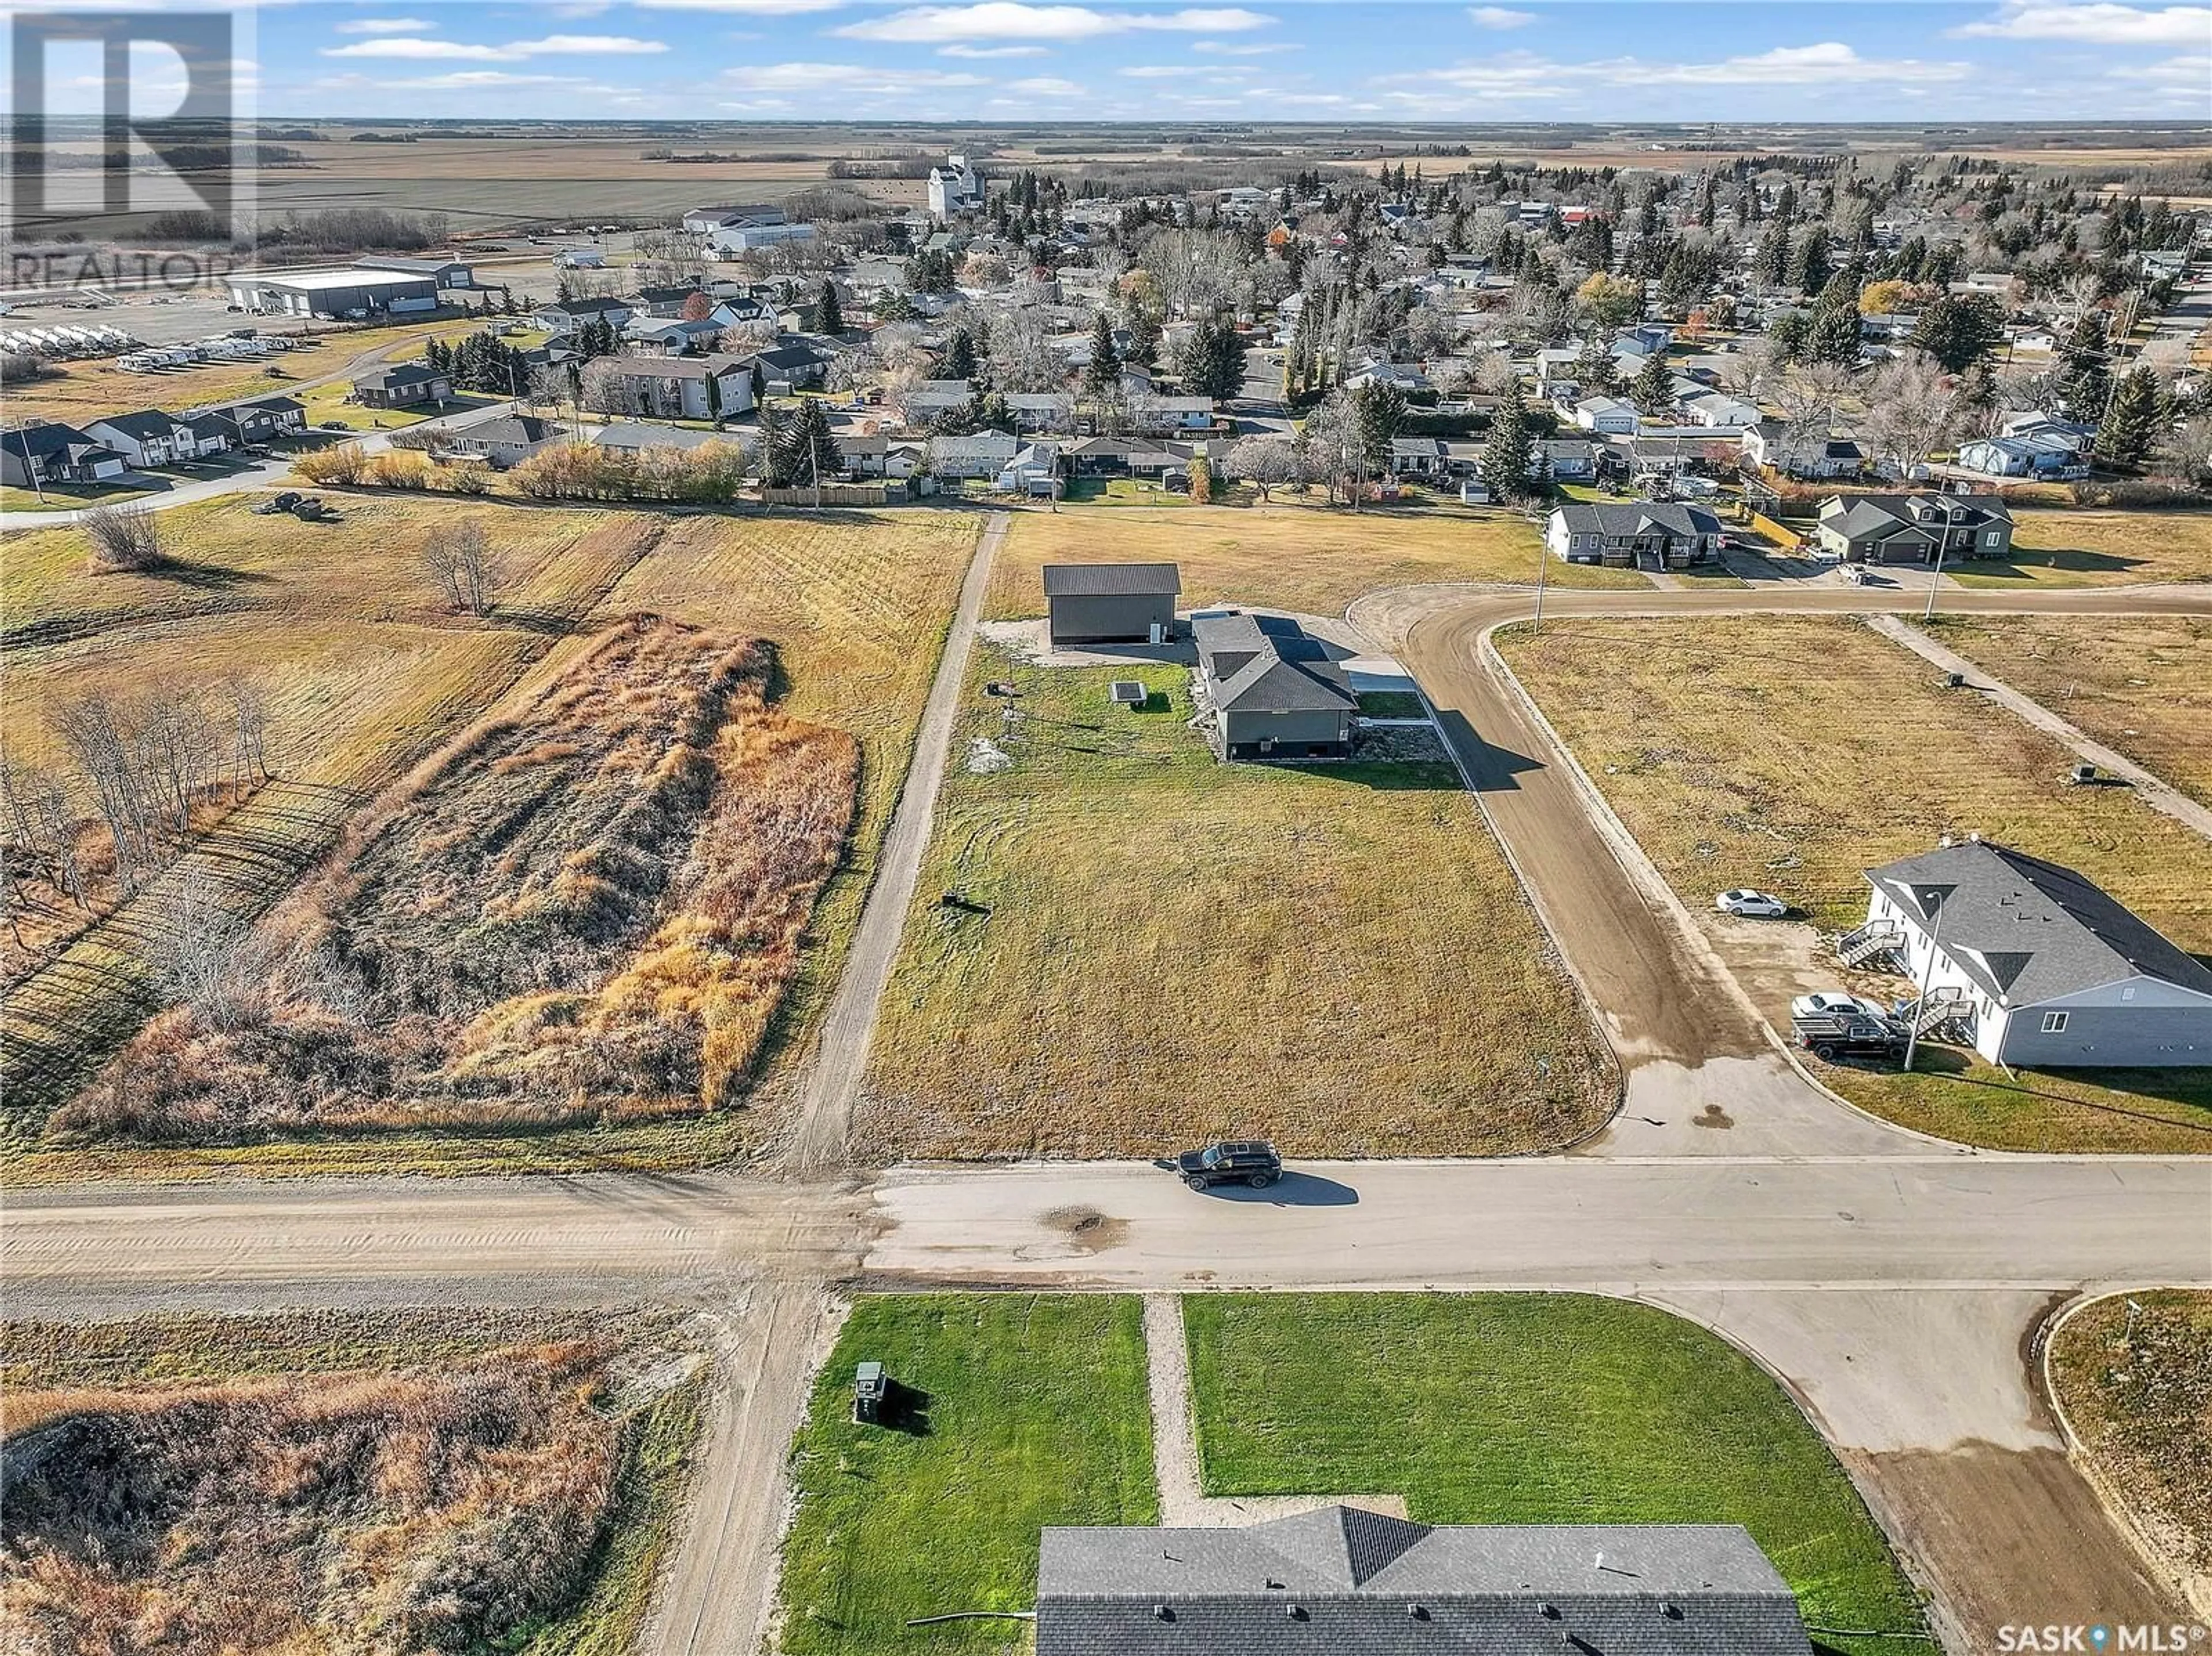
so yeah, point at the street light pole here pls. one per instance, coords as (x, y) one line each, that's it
(1543, 569)
(1935, 581)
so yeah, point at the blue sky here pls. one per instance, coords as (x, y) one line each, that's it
(1681, 60)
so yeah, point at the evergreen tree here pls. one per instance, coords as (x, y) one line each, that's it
(2085, 367)
(2131, 423)
(828, 313)
(809, 447)
(1654, 389)
(1380, 409)
(1959, 331)
(1212, 362)
(1505, 465)
(959, 357)
(1102, 375)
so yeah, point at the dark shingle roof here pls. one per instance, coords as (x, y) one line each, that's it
(1350, 1583)
(400, 373)
(1111, 581)
(141, 423)
(2028, 931)
(1640, 518)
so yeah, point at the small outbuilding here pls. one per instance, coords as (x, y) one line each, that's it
(1111, 603)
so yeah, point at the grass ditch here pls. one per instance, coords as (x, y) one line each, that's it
(1533, 1408)
(406, 1483)
(1105, 912)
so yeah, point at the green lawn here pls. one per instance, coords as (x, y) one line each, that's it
(1952, 1094)
(1036, 1414)
(1530, 1409)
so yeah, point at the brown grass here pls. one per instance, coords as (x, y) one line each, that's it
(1303, 558)
(1152, 950)
(388, 1485)
(2140, 684)
(2137, 1387)
(588, 908)
(2098, 548)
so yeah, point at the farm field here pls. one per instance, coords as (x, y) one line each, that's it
(1343, 942)
(1282, 557)
(2134, 1374)
(1533, 1408)
(85, 390)
(365, 674)
(2096, 549)
(1733, 765)
(2140, 684)
(404, 1482)
(1016, 1411)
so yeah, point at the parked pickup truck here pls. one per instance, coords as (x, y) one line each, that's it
(1831, 1036)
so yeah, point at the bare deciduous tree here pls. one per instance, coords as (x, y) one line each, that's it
(205, 956)
(1269, 462)
(459, 560)
(123, 538)
(1913, 409)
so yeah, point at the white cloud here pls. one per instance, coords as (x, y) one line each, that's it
(2194, 73)
(386, 25)
(1500, 17)
(853, 78)
(471, 80)
(755, 7)
(2097, 23)
(1048, 86)
(1233, 49)
(1017, 20)
(553, 45)
(1166, 71)
(1829, 63)
(991, 51)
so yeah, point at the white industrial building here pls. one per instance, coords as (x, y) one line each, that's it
(348, 293)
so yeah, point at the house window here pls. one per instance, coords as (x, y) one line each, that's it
(2054, 1023)
(1992, 538)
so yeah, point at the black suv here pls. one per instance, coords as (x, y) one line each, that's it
(1246, 1162)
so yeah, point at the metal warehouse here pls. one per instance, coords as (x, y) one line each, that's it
(350, 293)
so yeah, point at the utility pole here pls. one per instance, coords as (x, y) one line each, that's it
(1937, 579)
(1543, 569)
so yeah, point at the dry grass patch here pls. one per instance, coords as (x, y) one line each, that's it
(2070, 548)
(588, 908)
(435, 1488)
(2134, 1374)
(1304, 559)
(2140, 684)
(1149, 948)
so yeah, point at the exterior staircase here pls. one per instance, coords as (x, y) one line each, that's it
(1936, 1009)
(1870, 941)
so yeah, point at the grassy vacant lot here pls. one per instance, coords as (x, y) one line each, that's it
(1953, 1094)
(1533, 1408)
(2137, 1388)
(1285, 557)
(1791, 754)
(86, 391)
(2140, 684)
(2097, 548)
(1019, 1411)
(366, 673)
(412, 1482)
(1150, 949)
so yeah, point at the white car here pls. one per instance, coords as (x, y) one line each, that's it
(1836, 1003)
(1827, 555)
(1751, 905)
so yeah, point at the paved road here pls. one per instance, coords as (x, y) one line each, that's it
(1894, 1284)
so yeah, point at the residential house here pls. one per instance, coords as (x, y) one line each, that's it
(145, 439)
(1769, 443)
(652, 335)
(1110, 602)
(667, 303)
(877, 456)
(1914, 528)
(504, 442)
(1634, 535)
(567, 315)
(628, 437)
(403, 385)
(1566, 459)
(2038, 964)
(797, 362)
(1416, 457)
(1035, 469)
(679, 387)
(255, 422)
(920, 403)
(982, 454)
(1269, 691)
(1557, 370)
(1381, 371)
(1160, 416)
(2038, 456)
(1340, 1580)
(1121, 457)
(212, 434)
(1719, 412)
(1608, 415)
(46, 451)
(1048, 412)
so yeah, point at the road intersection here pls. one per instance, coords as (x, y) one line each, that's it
(1895, 1284)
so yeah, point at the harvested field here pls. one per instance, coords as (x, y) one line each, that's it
(2097, 548)
(266, 1486)
(1285, 557)
(2134, 1374)
(588, 907)
(2140, 684)
(1342, 945)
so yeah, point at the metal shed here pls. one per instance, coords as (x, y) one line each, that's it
(1111, 603)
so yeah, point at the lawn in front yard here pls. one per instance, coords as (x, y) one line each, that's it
(2095, 548)
(2140, 684)
(1287, 557)
(1533, 1408)
(1791, 754)
(2134, 1374)
(1118, 947)
(1032, 1409)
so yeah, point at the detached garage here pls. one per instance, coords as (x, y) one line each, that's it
(1111, 603)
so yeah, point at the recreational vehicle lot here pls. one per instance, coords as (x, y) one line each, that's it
(1121, 947)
